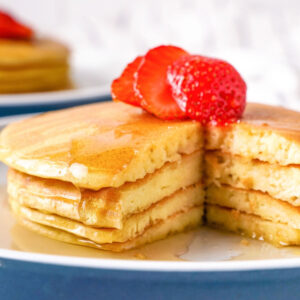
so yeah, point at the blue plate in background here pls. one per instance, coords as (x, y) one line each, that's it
(90, 87)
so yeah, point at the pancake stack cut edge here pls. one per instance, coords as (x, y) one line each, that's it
(113, 177)
(253, 176)
(132, 180)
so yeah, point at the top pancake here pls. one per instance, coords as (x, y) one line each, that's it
(267, 133)
(96, 146)
(33, 53)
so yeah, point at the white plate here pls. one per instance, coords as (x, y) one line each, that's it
(89, 84)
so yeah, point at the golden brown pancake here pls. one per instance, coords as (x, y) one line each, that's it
(98, 145)
(110, 174)
(180, 202)
(108, 207)
(114, 177)
(32, 66)
(176, 223)
(16, 54)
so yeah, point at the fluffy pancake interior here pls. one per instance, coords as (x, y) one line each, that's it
(107, 207)
(98, 145)
(281, 182)
(253, 226)
(266, 133)
(180, 201)
(253, 202)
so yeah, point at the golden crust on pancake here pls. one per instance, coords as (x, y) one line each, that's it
(38, 52)
(181, 201)
(279, 234)
(174, 224)
(255, 203)
(107, 207)
(98, 145)
(267, 133)
(281, 182)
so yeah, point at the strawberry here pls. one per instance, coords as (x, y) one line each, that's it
(155, 92)
(209, 90)
(11, 29)
(123, 88)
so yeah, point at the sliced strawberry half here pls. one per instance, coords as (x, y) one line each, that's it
(155, 91)
(123, 88)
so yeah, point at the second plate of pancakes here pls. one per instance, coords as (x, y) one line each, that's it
(90, 86)
(206, 262)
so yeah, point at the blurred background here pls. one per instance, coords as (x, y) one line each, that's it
(261, 38)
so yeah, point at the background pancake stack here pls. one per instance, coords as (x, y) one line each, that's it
(33, 65)
(253, 175)
(105, 175)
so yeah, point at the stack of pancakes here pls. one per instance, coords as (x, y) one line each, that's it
(105, 175)
(114, 177)
(253, 175)
(33, 65)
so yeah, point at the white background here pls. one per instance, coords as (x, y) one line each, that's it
(260, 37)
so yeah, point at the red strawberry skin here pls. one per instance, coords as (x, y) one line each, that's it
(209, 90)
(152, 84)
(124, 88)
(11, 29)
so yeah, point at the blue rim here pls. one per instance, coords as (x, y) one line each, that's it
(27, 280)
(25, 109)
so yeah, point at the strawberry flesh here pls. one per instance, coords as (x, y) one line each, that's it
(155, 91)
(208, 90)
(123, 88)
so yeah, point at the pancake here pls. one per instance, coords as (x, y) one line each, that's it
(280, 182)
(21, 54)
(96, 146)
(114, 177)
(254, 203)
(267, 133)
(181, 201)
(34, 80)
(174, 224)
(33, 66)
(107, 207)
(279, 234)
(28, 76)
